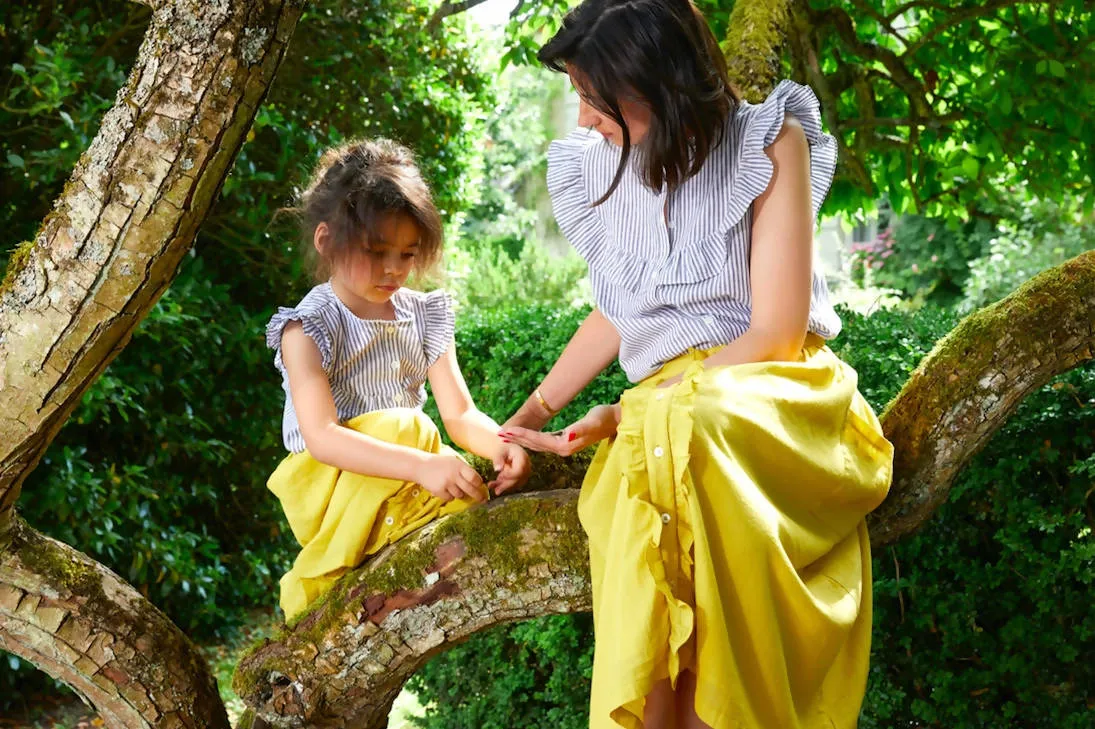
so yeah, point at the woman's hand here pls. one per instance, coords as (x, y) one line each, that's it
(599, 423)
(513, 466)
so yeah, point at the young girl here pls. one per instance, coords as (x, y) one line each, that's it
(366, 466)
(725, 508)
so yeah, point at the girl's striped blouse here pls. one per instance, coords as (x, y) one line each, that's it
(371, 364)
(678, 280)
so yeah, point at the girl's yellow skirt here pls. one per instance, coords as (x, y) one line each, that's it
(340, 518)
(727, 538)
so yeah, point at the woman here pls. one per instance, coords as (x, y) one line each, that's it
(725, 506)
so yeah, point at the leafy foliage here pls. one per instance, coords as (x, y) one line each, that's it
(60, 65)
(941, 105)
(922, 257)
(1043, 234)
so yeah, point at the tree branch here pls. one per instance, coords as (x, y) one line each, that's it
(344, 663)
(973, 380)
(448, 9)
(82, 624)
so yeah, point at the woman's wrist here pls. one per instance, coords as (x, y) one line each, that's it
(530, 415)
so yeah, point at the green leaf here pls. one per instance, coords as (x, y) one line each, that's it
(68, 120)
(970, 166)
(16, 161)
(19, 69)
(1040, 67)
(1005, 103)
(1057, 68)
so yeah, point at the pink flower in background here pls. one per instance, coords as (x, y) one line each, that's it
(876, 264)
(915, 268)
(935, 259)
(931, 237)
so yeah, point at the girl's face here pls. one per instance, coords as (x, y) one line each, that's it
(370, 276)
(636, 114)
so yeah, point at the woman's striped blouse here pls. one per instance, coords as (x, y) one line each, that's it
(675, 281)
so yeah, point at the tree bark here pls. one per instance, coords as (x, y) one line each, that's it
(968, 387)
(70, 302)
(343, 664)
(85, 626)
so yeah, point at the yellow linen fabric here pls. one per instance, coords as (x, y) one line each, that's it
(339, 518)
(727, 537)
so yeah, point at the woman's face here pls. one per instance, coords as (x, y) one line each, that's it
(636, 114)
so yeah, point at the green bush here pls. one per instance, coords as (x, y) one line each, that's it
(65, 66)
(989, 623)
(1042, 235)
(160, 472)
(921, 257)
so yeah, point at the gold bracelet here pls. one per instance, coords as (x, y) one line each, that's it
(543, 403)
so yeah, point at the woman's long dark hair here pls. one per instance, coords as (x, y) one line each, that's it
(662, 53)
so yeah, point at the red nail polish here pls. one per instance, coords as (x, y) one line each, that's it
(570, 437)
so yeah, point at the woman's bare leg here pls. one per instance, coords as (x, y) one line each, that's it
(686, 703)
(660, 708)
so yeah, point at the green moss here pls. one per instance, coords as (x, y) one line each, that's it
(16, 261)
(60, 569)
(754, 41)
(497, 533)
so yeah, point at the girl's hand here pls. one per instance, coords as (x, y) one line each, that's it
(513, 466)
(448, 478)
(599, 423)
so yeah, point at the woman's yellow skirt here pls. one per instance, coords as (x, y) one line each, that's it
(339, 518)
(727, 538)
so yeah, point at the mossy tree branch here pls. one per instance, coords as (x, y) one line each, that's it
(973, 380)
(82, 624)
(345, 661)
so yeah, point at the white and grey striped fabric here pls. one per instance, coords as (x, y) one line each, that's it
(371, 364)
(675, 280)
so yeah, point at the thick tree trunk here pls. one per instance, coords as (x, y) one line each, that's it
(70, 302)
(84, 625)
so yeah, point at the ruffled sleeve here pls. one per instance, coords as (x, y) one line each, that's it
(569, 188)
(756, 127)
(313, 325)
(440, 323)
